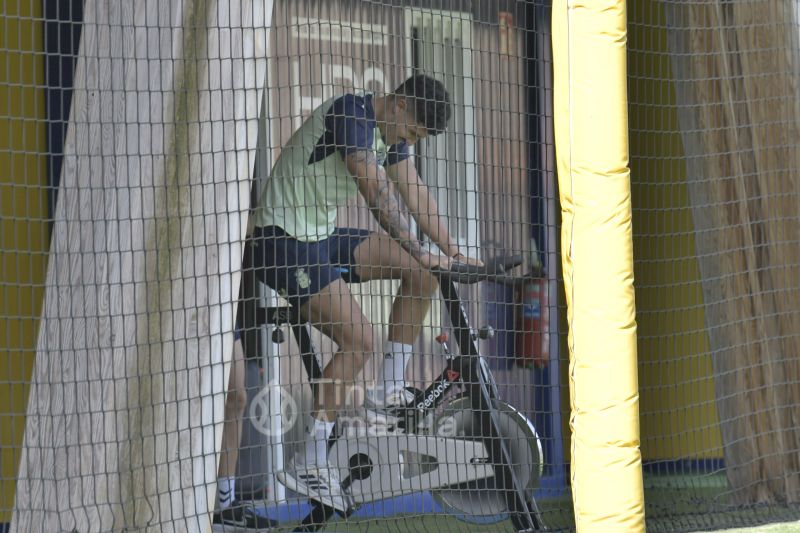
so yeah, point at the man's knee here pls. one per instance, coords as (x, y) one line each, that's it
(421, 282)
(235, 403)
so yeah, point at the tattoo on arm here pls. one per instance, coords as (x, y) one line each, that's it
(382, 200)
(422, 205)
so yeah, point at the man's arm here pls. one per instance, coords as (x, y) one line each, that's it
(422, 205)
(377, 190)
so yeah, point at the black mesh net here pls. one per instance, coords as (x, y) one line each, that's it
(295, 264)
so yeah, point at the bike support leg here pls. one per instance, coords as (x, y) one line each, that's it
(308, 353)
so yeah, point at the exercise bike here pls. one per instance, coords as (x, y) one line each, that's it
(478, 456)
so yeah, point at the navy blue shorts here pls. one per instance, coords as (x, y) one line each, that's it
(296, 270)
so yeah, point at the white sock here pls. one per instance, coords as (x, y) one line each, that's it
(317, 434)
(225, 491)
(395, 359)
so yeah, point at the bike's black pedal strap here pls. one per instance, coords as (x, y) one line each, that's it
(318, 517)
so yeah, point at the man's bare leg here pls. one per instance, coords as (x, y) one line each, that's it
(336, 313)
(381, 257)
(235, 404)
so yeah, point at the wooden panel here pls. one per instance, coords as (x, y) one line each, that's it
(126, 405)
(501, 115)
(501, 131)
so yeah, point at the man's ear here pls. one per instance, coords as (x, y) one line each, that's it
(400, 103)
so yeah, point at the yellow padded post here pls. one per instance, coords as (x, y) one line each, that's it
(591, 131)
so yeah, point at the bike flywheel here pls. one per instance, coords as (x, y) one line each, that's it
(482, 501)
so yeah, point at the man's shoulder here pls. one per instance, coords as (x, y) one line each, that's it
(351, 105)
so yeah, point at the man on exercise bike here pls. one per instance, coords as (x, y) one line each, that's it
(351, 144)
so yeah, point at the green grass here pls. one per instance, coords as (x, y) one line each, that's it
(444, 524)
(672, 504)
(700, 503)
(793, 527)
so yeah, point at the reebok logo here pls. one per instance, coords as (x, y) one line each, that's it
(440, 389)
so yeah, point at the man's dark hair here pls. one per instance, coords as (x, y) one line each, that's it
(428, 101)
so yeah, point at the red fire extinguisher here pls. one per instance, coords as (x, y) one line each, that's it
(532, 341)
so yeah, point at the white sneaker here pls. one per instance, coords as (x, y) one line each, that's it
(375, 399)
(385, 411)
(319, 483)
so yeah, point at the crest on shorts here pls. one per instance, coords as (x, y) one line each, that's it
(380, 156)
(303, 280)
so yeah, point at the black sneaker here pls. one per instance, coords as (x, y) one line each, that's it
(241, 515)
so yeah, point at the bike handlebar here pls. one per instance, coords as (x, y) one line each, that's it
(495, 269)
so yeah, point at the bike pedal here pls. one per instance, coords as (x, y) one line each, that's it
(349, 512)
(331, 510)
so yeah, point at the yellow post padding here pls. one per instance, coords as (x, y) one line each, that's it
(591, 127)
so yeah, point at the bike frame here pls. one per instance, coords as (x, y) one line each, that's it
(468, 370)
(480, 386)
